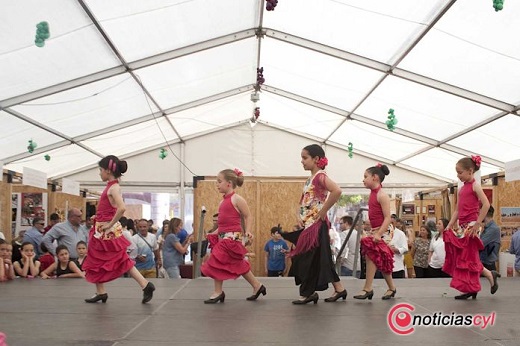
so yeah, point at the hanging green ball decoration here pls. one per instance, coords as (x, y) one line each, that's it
(32, 145)
(350, 148)
(392, 120)
(42, 34)
(163, 153)
(498, 5)
(47, 157)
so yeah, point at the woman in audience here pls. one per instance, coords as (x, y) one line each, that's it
(437, 252)
(420, 251)
(172, 250)
(63, 267)
(28, 266)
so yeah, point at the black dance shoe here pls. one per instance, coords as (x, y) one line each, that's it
(389, 294)
(219, 298)
(148, 293)
(368, 294)
(312, 298)
(336, 296)
(494, 288)
(466, 296)
(261, 290)
(97, 297)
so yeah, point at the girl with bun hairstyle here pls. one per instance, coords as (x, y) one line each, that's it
(377, 253)
(107, 258)
(227, 260)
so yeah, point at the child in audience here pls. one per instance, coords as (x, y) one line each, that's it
(81, 250)
(46, 259)
(6, 266)
(63, 267)
(28, 266)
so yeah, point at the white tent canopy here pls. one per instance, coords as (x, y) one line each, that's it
(129, 77)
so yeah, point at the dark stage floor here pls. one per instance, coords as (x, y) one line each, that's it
(52, 312)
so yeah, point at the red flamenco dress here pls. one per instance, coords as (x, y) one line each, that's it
(462, 261)
(106, 255)
(312, 265)
(379, 253)
(227, 260)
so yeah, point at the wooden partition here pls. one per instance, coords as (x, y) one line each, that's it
(5, 208)
(271, 201)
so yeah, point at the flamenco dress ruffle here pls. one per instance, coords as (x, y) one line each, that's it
(227, 259)
(462, 261)
(379, 253)
(106, 257)
(312, 265)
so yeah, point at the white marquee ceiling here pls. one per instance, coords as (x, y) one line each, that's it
(125, 77)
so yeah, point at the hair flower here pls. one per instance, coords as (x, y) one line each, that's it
(379, 165)
(477, 159)
(238, 172)
(322, 162)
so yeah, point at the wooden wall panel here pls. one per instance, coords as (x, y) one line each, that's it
(5, 209)
(506, 194)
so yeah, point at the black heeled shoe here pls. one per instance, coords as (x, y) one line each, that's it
(391, 295)
(148, 292)
(336, 296)
(219, 298)
(262, 290)
(464, 296)
(494, 288)
(368, 295)
(312, 298)
(97, 297)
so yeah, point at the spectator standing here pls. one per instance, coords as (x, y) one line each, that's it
(275, 250)
(67, 233)
(34, 235)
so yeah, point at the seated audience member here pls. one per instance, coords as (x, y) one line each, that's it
(46, 259)
(28, 266)
(17, 244)
(6, 266)
(53, 219)
(81, 250)
(63, 267)
(490, 237)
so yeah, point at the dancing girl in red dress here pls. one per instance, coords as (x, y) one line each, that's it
(107, 258)
(227, 260)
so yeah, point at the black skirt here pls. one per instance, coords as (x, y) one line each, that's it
(313, 270)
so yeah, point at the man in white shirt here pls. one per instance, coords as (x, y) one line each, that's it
(398, 243)
(349, 253)
(147, 250)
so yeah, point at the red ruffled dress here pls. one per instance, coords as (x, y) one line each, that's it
(227, 260)
(106, 254)
(379, 253)
(462, 261)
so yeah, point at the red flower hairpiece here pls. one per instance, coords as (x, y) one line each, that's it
(477, 159)
(238, 172)
(379, 165)
(322, 162)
